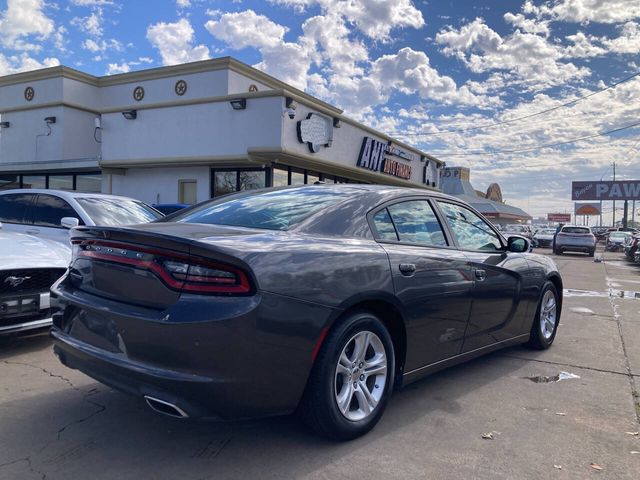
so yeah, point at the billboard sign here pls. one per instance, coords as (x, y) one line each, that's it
(587, 208)
(559, 217)
(606, 190)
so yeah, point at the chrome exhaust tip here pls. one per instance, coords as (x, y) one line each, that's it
(166, 408)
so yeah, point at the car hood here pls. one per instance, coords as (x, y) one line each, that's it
(18, 250)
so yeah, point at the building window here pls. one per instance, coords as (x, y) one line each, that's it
(280, 176)
(188, 191)
(312, 177)
(233, 180)
(34, 181)
(297, 176)
(7, 182)
(61, 182)
(89, 182)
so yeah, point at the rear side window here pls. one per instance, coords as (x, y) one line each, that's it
(14, 206)
(575, 230)
(412, 222)
(49, 210)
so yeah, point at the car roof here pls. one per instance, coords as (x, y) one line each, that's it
(66, 194)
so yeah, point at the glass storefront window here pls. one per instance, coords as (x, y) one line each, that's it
(252, 180)
(279, 177)
(7, 182)
(297, 176)
(225, 182)
(34, 181)
(89, 183)
(312, 177)
(61, 182)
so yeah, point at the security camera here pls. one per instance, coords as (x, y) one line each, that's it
(290, 112)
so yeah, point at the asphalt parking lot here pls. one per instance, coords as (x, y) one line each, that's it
(56, 423)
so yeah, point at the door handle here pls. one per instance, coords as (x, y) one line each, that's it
(32, 231)
(481, 274)
(407, 269)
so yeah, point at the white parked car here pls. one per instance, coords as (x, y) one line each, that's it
(51, 213)
(28, 267)
(544, 237)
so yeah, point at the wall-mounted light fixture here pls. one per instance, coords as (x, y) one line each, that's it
(98, 124)
(49, 120)
(336, 122)
(5, 124)
(238, 103)
(130, 114)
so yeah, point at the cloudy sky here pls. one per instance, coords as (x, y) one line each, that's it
(454, 78)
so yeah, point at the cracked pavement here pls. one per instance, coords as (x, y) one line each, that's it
(56, 423)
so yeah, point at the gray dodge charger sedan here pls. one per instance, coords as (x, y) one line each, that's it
(319, 298)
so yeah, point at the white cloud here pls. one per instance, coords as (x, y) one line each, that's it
(374, 18)
(23, 62)
(183, 3)
(92, 3)
(95, 46)
(627, 42)
(527, 24)
(24, 18)
(600, 11)
(91, 24)
(246, 29)
(531, 58)
(175, 41)
(114, 68)
(583, 46)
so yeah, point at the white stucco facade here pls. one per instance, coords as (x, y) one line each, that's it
(185, 129)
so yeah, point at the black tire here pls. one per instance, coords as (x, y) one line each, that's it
(557, 251)
(592, 253)
(319, 408)
(537, 339)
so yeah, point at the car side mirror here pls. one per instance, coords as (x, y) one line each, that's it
(69, 222)
(518, 244)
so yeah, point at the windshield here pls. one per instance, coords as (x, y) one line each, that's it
(582, 230)
(618, 235)
(547, 231)
(270, 210)
(111, 212)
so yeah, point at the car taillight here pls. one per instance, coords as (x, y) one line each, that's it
(178, 271)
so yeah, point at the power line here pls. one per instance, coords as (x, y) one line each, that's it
(531, 149)
(542, 112)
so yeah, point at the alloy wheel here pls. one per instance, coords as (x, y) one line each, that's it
(360, 376)
(548, 317)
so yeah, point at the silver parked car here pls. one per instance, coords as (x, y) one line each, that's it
(544, 237)
(617, 240)
(51, 213)
(573, 238)
(28, 267)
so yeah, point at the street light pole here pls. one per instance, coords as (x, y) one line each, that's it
(614, 202)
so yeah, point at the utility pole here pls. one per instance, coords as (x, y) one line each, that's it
(614, 202)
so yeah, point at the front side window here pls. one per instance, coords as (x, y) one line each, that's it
(49, 210)
(412, 221)
(470, 231)
(13, 207)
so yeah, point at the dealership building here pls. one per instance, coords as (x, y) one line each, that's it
(187, 133)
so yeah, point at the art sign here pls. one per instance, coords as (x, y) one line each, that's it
(316, 131)
(587, 208)
(374, 155)
(606, 190)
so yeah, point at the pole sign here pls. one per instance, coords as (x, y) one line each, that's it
(587, 208)
(606, 190)
(559, 217)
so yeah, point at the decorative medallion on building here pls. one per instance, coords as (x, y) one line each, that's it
(138, 93)
(316, 131)
(373, 156)
(253, 88)
(29, 93)
(181, 87)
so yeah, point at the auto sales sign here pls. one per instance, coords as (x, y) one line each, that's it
(606, 190)
(374, 155)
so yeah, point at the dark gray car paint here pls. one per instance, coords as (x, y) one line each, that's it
(251, 355)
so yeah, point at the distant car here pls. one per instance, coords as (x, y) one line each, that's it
(28, 267)
(617, 240)
(631, 247)
(573, 238)
(544, 237)
(517, 229)
(169, 208)
(51, 213)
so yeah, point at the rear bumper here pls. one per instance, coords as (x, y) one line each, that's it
(213, 357)
(26, 326)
